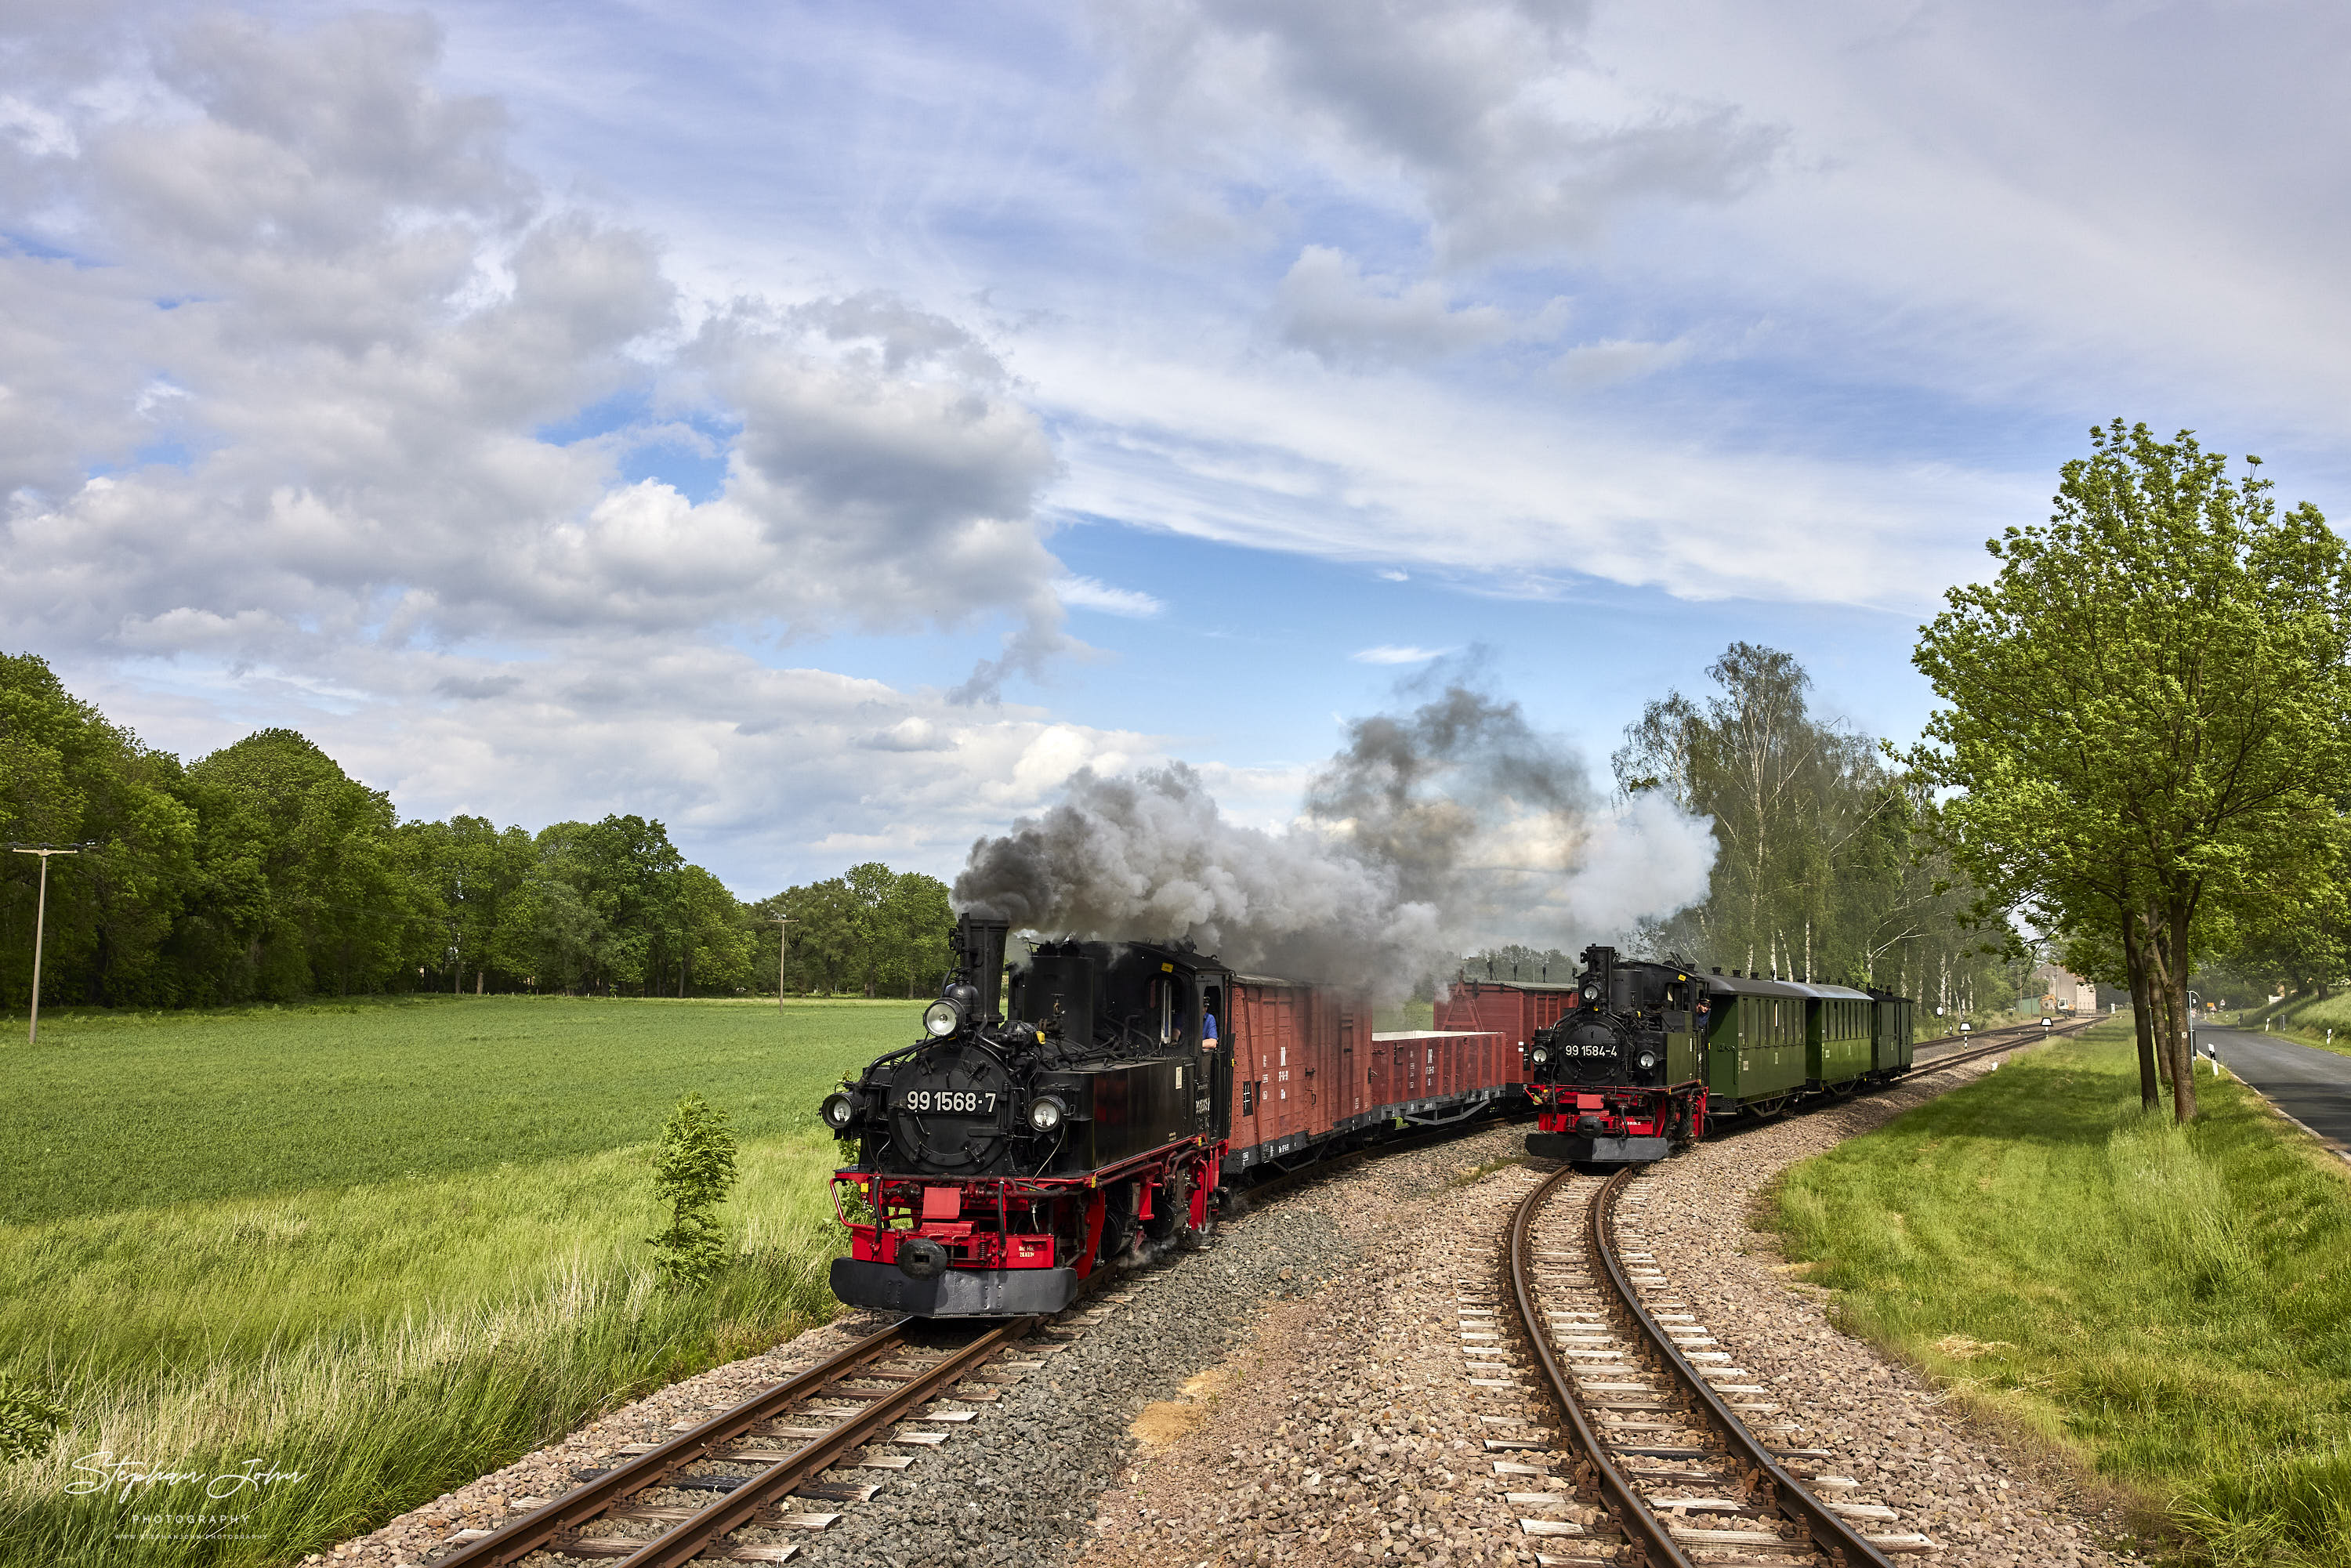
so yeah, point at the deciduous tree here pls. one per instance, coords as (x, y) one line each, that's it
(2145, 715)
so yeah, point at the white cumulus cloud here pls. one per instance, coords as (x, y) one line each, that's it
(292, 384)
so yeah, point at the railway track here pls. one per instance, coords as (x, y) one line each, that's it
(762, 1466)
(1653, 1419)
(1983, 1046)
(1969, 1047)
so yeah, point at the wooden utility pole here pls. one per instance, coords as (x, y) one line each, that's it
(783, 923)
(41, 920)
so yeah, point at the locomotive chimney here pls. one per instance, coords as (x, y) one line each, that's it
(979, 943)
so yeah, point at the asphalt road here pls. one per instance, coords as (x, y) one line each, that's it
(2310, 1086)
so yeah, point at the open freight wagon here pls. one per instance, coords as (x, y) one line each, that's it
(1309, 1073)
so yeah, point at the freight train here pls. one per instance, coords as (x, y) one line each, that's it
(1101, 1107)
(1637, 1057)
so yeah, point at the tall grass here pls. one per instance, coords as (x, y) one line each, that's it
(391, 1337)
(2170, 1305)
(387, 1342)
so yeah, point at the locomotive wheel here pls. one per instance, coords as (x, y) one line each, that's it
(1171, 1207)
(1119, 1224)
(1163, 1222)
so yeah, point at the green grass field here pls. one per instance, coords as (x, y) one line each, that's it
(388, 1245)
(2172, 1307)
(1404, 1015)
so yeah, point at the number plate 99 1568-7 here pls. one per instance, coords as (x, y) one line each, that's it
(969, 1102)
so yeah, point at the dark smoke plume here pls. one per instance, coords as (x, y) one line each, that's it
(1451, 824)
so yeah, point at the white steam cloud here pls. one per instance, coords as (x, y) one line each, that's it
(1451, 824)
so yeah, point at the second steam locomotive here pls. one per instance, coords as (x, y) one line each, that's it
(1642, 1054)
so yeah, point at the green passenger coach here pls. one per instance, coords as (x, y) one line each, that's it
(1839, 1037)
(1755, 1049)
(1891, 1045)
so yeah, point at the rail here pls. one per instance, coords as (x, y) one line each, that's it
(1777, 1488)
(1652, 1539)
(555, 1526)
(1771, 1486)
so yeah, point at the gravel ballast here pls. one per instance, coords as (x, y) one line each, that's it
(1018, 1481)
(1988, 1503)
(1351, 1435)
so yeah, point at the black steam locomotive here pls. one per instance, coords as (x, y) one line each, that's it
(1016, 1149)
(1649, 1052)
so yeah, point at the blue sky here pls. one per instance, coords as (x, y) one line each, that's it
(828, 426)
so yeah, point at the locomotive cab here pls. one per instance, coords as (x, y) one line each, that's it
(1000, 1160)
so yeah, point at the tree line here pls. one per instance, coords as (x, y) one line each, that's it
(1828, 865)
(1829, 860)
(265, 873)
(2141, 766)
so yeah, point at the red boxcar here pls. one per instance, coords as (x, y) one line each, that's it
(1430, 1075)
(1309, 1076)
(1295, 1068)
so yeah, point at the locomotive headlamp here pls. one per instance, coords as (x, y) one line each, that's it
(1592, 993)
(1648, 1059)
(1045, 1114)
(839, 1110)
(942, 1017)
(1540, 1054)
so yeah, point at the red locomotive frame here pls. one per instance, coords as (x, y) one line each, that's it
(1620, 1112)
(1023, 1222)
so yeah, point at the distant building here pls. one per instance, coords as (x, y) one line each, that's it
(2064, 992)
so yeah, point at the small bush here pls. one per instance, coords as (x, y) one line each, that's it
(694, 1171)
(29, 1421)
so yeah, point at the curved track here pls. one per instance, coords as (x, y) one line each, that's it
(1656, 1426)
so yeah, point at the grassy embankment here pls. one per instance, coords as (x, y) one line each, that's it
(389, 1245)
(2321, 1022)
(2172, 1308)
